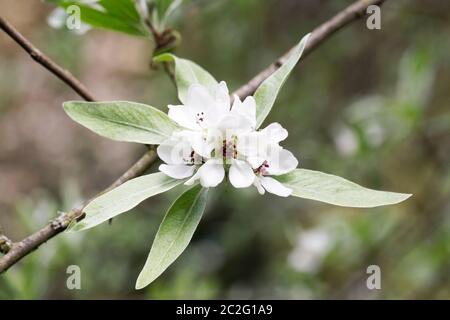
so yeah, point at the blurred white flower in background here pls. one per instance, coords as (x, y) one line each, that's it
(346, 141)
(311, 247)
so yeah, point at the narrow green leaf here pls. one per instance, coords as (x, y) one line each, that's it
(122, 120)
(267, 92)
(124, 198)
(328, 188)
(123, 9)
(186, 74)
(104, 19)
(174, 234)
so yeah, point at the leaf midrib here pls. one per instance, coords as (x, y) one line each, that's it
(179, 231)
(124, 123)
(353, 187)
(138, 194)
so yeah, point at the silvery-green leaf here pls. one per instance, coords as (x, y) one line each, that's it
(186, 74)
(332, 189)
(122, 121)
(174, 234)
(124, 198)
(267, 92)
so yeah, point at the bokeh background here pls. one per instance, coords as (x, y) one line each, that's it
(368, 105)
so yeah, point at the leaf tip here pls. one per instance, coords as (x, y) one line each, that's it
(396, 198)
(163, 57)
(66, 105)
(139, 285)
(142, 282)
(404, 196)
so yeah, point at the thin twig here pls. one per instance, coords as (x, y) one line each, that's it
(45, 61)
(58, 225)
(151, 27)
(320, 34)
(160, 41)
(16, 251)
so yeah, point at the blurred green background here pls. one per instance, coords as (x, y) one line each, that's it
(368, 105)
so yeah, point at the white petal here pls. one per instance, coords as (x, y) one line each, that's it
(236, 103)
(273, 186)
(248, 144)
(227, 122)
(177, 171)
(202, 145)
(174, 151)
(193, 179)
(211, 173)
(257, 184)
(199, 98)
(222, 97)
(246, 109)
(209, 106)
(269, 151)
(275, 132)
(255, 162)
(184, 116)
(282, 162)
(233, 123)
(241, 174)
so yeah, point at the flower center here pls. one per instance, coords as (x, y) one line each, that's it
(200, 117)
(194, 158)
(229, 149)
(262, 169)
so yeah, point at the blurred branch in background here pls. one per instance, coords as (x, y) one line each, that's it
(45, 61)
(22, 248)
(319, 35)
(15, 251)
(322, 32)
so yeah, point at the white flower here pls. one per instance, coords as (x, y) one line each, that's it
(217, 138)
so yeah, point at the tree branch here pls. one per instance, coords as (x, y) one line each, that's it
(45, 61)
(16, 251)
(21, 249)
(319, 35)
